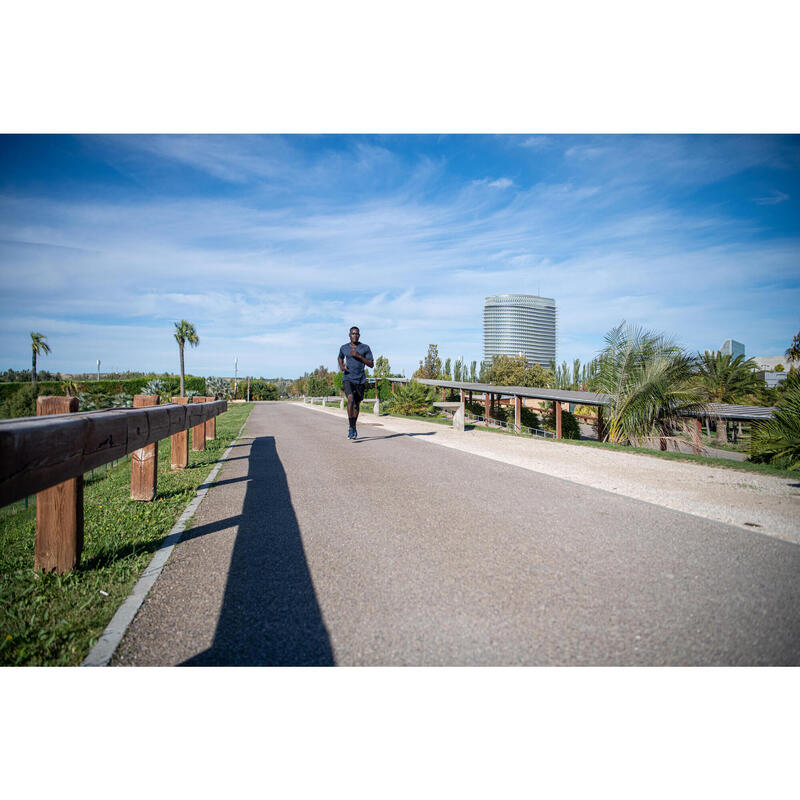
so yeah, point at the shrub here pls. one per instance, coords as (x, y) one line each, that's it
(569, 424)
(219, 388)
(263, 390)
(22, 403)
(412, 398)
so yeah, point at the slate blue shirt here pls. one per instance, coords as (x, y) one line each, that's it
(354, 369)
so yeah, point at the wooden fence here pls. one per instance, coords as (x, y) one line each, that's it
(47, 455)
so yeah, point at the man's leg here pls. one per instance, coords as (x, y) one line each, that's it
(352, 413)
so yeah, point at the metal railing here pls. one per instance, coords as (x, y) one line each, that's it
(519, 430)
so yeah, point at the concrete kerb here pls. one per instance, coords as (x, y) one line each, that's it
(100, 655)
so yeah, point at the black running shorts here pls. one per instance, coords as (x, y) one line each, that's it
(355, 389)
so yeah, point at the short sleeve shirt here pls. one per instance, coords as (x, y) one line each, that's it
(354, 369)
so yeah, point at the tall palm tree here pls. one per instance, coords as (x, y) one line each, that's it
(185, 332)
(649, 380)
(38, 345)
(793, 351)
(727, 379)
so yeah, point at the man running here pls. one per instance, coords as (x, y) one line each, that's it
(352, 359)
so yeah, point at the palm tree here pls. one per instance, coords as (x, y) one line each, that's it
(649, 380)
(793, 352)
(185, 332)
(778, 440)
(726, 379)
(38, 345)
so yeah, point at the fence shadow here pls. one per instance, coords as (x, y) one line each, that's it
(270, 615)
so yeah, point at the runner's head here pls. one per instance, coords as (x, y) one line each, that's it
(354, 334)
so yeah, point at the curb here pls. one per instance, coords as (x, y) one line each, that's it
(100, 655)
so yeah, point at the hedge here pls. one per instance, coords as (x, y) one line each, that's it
(111, 387)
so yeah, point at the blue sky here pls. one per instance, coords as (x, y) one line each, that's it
(274, 245)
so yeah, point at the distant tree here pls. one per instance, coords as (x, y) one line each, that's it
(320, 382)
(185, 333)
(431, 367)
(727, 379)
(458, 369)
(446, 371)
(515, 371)
(793, 351)
(38, 345)
(780, 368)
(483, 371)
(473, 372)
(382, 368)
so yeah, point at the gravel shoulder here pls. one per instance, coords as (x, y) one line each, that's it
(758, 503)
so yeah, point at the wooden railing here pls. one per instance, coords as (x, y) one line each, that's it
(47, 455)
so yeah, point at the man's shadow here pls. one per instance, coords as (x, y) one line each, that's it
(270, 615)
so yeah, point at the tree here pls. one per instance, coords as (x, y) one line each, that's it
(473, 372)
(515, 371)
(725, 378)
(320, 382)
(431, 367)
(793, 351)
(382, 369)
(38, 345)
(185, 332)
(650, 381)
(446, 371)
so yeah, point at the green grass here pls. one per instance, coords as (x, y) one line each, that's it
(49, 619)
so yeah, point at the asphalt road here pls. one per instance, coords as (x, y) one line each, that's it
(314, 550)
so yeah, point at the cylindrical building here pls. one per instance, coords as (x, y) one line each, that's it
(520, 323)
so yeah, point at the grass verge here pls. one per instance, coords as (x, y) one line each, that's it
(49, 619)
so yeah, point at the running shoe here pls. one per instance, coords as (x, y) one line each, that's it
(355, 434)
(350, 433)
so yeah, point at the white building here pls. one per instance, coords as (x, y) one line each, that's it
(520, 323)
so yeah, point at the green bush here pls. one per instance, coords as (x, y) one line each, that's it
(263, 390)
(569, 424)
(22, 403)
(412, 399)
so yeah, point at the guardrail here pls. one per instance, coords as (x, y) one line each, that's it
(47, 455)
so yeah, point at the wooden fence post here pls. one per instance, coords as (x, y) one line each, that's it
(211, 424)
(558, 418)
(601, 428)
(199, 431)
(179, 443)
(59, 509)
(144, 461)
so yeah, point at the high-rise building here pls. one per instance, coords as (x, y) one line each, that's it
(520, 323)
(730, 347)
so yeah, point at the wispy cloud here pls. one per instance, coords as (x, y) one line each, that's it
(772, 199)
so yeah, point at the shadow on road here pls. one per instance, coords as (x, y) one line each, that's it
(270, 615)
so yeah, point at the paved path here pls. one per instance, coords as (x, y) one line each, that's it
(315, 550)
